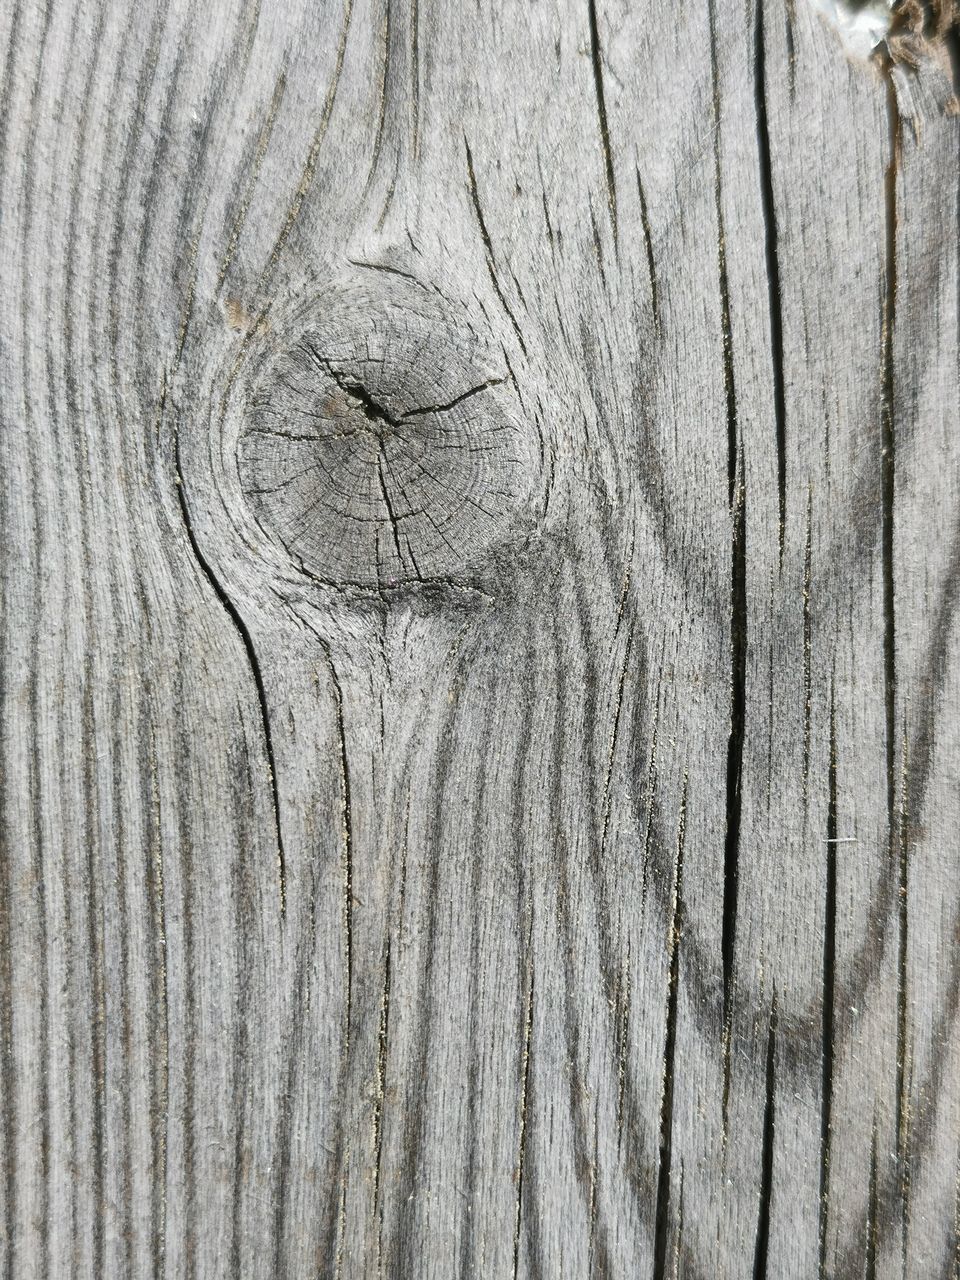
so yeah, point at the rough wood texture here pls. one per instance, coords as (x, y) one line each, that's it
(481, 684)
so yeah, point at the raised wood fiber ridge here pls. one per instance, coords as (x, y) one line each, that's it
(480, 728)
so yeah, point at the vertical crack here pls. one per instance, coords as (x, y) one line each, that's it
(887, 458)
(773, 269)
(896, 843)
(382, 1033)
(766, 1151)
(521, 1146)
(596, 60)
(738, 701)
(829, 984)
(738, 599)
(662, 1217)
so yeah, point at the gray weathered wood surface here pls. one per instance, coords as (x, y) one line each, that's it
(511, 837)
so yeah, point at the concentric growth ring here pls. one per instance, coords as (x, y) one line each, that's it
(384, 447)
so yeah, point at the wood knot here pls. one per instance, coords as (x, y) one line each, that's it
(383, 444)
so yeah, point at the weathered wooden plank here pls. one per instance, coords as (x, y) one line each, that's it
(478, 653)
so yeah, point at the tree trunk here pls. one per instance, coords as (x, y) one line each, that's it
(479, 638)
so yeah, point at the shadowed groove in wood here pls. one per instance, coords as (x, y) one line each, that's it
(247, 640)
